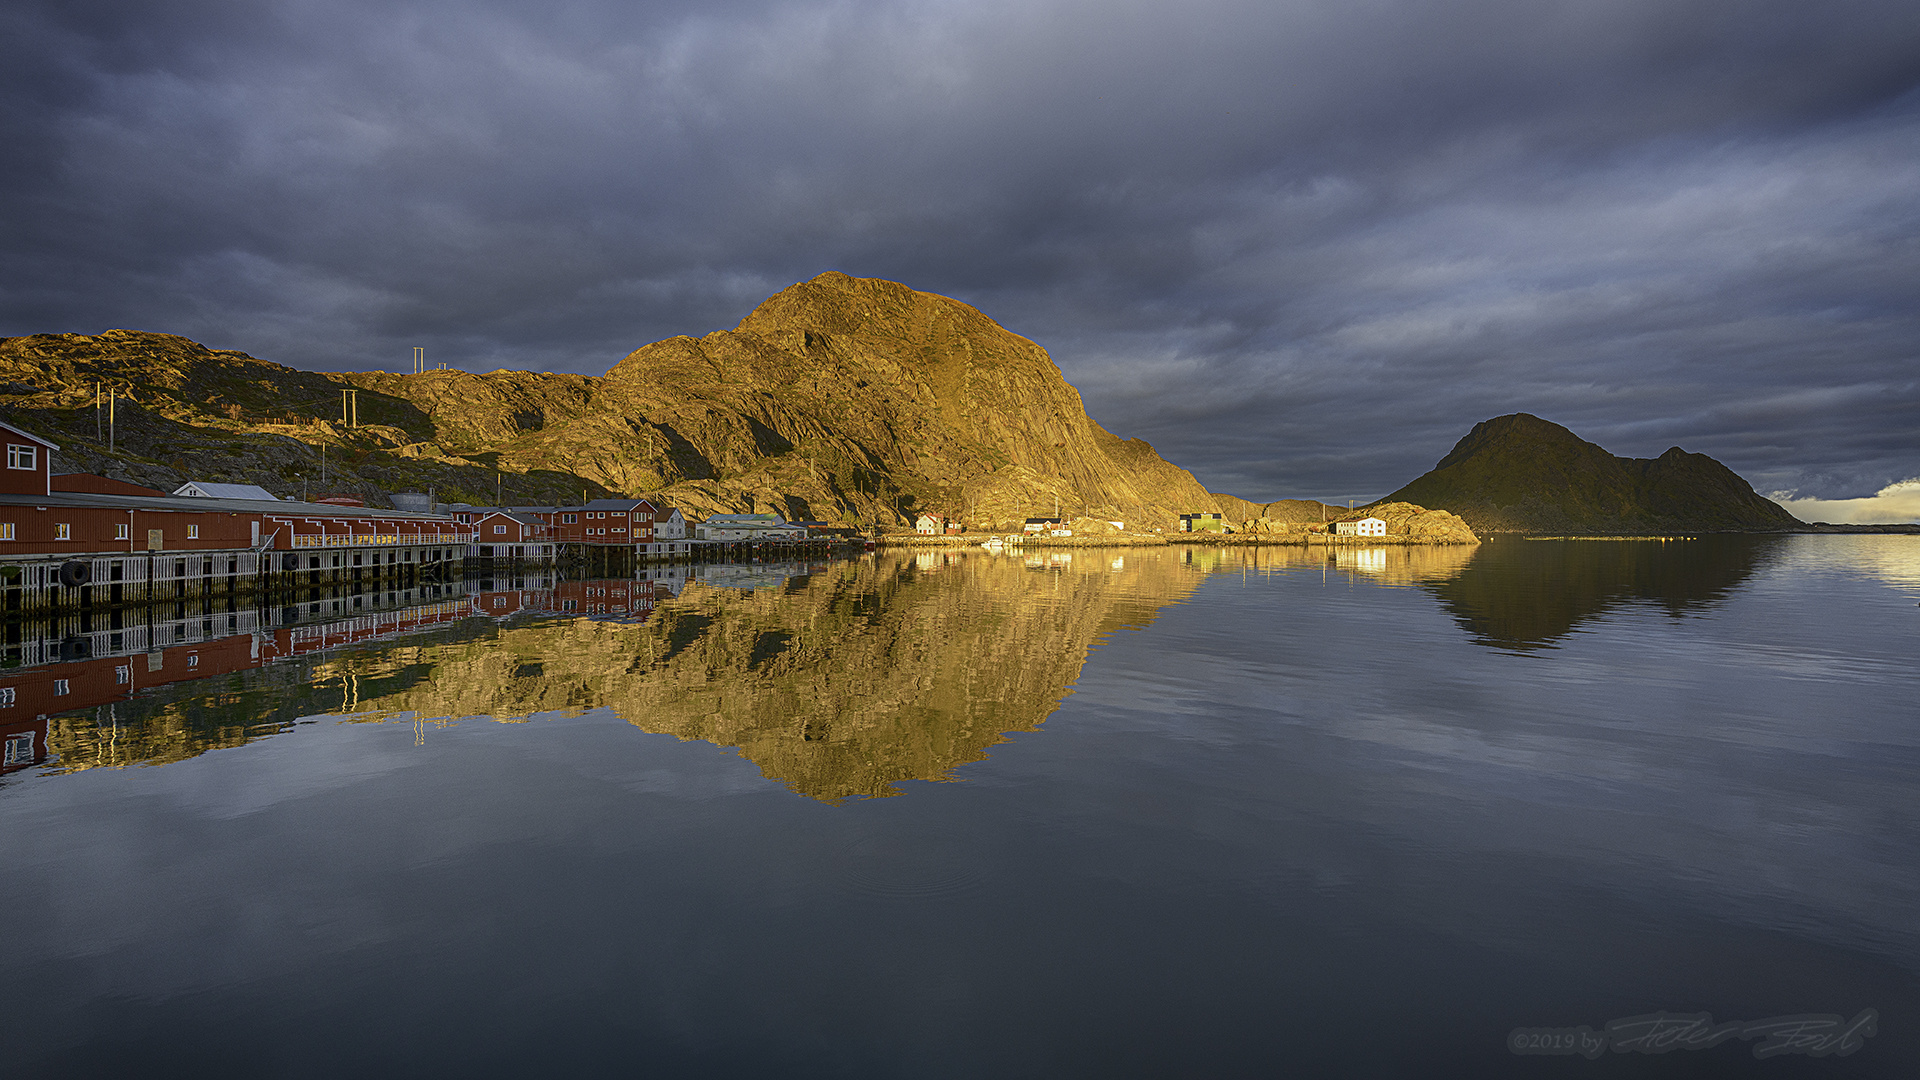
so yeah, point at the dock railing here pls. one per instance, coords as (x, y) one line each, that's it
(334, 540)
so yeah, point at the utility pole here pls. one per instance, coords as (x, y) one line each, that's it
(98, 434)
(110, 401)
(419, 360)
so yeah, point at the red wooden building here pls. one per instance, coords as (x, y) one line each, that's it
(76, 540)
(606, 522)
(500, 534)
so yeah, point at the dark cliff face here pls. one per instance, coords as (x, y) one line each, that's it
(841, 399)
(1520, 473)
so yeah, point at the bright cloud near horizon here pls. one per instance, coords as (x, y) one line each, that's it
(1301, 247)
(1894, 504)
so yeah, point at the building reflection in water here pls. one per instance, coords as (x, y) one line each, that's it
(80, 696)
(1393, 564)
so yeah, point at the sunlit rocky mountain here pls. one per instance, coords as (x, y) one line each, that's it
(839, 399)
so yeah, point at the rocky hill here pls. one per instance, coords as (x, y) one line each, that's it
(1522, 474)
(839, 399)
(1417, 524)
(1300, 511)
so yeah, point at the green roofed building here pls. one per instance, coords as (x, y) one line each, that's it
(1205, 522)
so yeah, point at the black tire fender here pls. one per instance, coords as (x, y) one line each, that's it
(75, 573)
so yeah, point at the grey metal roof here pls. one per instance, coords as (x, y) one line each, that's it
(226, 491)
(524, 519)
(202, 505)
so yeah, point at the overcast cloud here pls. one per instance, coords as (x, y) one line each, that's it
(1301, 247)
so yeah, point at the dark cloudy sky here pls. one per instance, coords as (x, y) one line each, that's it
(1300, 246)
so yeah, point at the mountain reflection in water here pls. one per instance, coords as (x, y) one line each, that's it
(1309, 821)
(1528, 594)
(838, 679)
(840, 683)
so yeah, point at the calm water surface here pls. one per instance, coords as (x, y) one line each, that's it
(1238, 812)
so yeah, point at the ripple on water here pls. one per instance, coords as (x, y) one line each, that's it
(915, 864)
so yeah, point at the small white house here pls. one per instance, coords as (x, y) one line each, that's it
(930, 525)
(1367, 526)
(671, 525)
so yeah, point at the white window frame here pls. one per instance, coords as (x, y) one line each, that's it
(62, 531)
(21, 456)
(193, 532)
(6, 530)
(499, 530)
(61, 688)
(123, 531)
(7, 697)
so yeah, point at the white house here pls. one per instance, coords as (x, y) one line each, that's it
(930, 525)
(670, 525)
(1367, 526)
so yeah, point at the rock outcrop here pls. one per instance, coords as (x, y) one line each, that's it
(1240, 511)
(1522, 474)
(1417, 524)
(1406, 524)
(839, 399)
